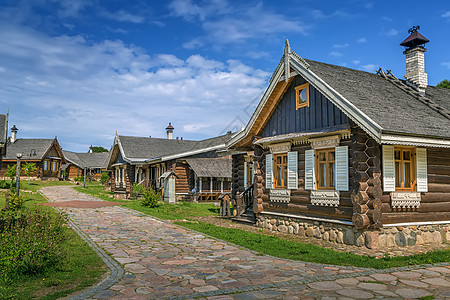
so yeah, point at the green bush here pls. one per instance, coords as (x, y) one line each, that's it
(13, 200)
(150, 198)
(104, 178)
(4, 184)
(29, 242)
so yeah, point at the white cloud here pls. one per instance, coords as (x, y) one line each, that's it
(446, 64)
(446, 14)
(361, 40)
(335, 54)
(356, 62)
(340, 46)
(224, 24)
(123, 16)
(83, 91)
(392, 32)
(369, 68)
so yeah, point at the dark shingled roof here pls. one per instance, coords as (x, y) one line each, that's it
(390, 107)
(88, 160)
(151, 148)
(25, 146)
(211, 167)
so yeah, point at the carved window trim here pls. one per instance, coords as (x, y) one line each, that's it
(325, 198)
(299, 103)
(405, 199)
(280, 195)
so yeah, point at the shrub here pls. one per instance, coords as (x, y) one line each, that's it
(4, 184)
(13, 200)
(104, 178)
(29, 242)
(150, 198)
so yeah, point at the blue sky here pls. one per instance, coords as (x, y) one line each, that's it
(82, 70)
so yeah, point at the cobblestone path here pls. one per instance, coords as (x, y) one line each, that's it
(162, 260)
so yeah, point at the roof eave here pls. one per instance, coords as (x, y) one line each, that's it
(417, 141)
(189, 153)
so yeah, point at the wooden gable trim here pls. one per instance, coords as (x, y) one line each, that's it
(301, 68)
(58, 150)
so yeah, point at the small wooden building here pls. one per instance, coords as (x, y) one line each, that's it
(46, 153)
(3, 136)
(94, 163)
(348, 156)
(142, 160)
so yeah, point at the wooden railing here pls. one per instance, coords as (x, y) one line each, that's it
(244, 200)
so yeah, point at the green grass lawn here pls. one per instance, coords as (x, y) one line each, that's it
(279, 247)
(96, 189)
(81, 268)
(35, 185)
(176, 211)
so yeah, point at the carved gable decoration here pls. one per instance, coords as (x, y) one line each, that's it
(280, 195)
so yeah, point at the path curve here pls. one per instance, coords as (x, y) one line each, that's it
(162, 260)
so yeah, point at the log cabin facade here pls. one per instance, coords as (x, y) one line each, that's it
(45, 153)
(141, 160)
(94, 163)
(347, 156)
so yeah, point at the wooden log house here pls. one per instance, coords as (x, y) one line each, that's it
(46, 153)
(94, 163)
(142, 160)
(348, 156)
(3, 136)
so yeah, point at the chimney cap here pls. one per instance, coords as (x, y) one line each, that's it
(170, 127)
(414, 39)
(14, 128)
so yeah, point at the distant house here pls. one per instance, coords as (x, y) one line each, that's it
(346, 155)
(3, 136)
(46, 153)
(144, 160)
(94, 163)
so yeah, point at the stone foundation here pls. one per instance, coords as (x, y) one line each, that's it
(387, 237)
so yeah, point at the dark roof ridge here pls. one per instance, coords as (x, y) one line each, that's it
(415, 94)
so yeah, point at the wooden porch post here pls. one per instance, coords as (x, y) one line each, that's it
(211, 184)
(221, 185)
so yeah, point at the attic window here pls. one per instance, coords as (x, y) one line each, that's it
(302, 96)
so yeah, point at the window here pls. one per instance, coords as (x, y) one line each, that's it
(404, 169)
(54, 166)
(280, 170)
(326, 169)
(302, 96)
(45, 165)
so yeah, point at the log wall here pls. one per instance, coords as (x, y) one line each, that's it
(237, 179)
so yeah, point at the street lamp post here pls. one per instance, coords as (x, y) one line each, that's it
(19, 156)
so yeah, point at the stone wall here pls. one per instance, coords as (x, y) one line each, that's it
(400, 236)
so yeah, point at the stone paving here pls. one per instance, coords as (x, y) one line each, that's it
(162, 260)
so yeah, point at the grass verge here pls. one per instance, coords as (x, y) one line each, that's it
(97, 190)
(176, 211)
(278, 247)
(81, 268)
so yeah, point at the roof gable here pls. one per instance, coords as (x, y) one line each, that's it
(369, 100)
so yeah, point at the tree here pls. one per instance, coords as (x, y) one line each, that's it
(99, 149)
(28, 168)
(105, 177)
(444, 84)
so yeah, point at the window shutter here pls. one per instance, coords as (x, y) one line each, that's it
(292, 169)
(269, 167)
(388, 169)
(421, 170)
(309, 170)
(342, 168)
(245, 174)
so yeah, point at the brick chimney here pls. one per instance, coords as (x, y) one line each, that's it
(13, 134)
(415, 59)
(169, 130)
